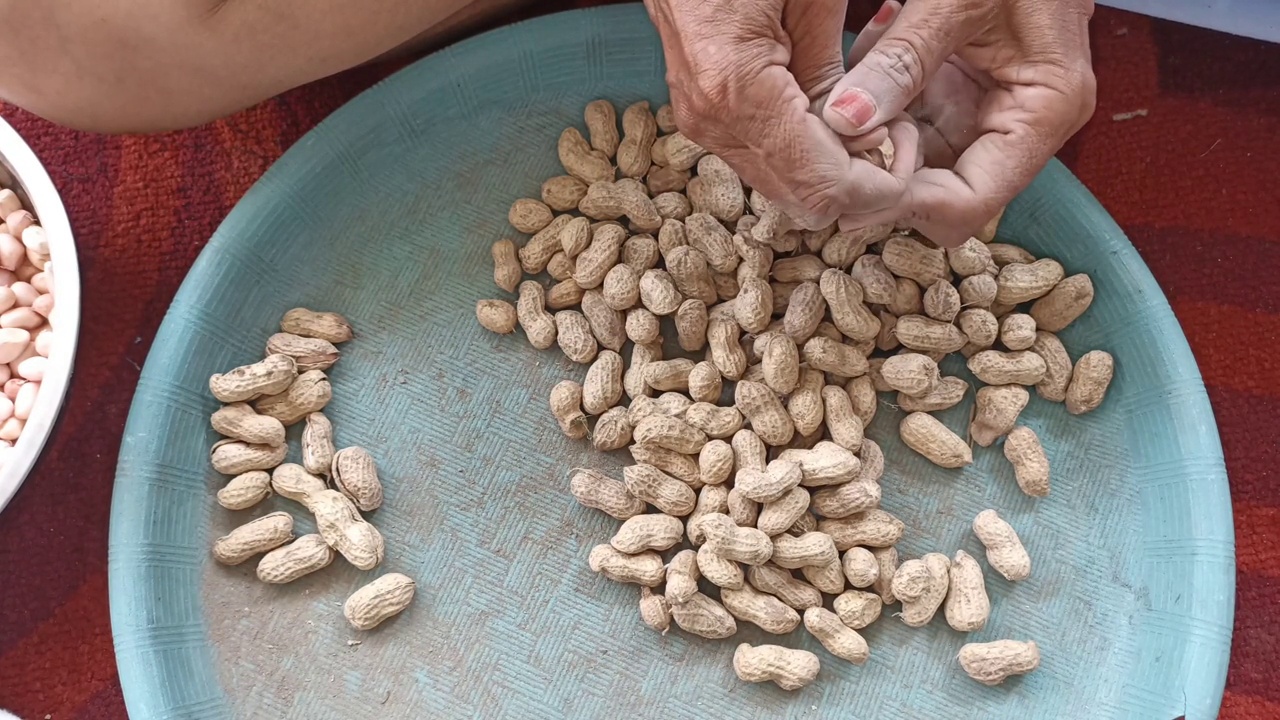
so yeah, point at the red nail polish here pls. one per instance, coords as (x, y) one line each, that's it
(883, 15)
(856, 106)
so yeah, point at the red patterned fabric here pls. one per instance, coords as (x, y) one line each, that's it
(1194, 180)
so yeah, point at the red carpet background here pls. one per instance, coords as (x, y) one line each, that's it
(1193, 178)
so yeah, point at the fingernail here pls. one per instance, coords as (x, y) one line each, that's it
(855, 106)
(883, 15)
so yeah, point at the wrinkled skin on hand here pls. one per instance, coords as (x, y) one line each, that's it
(744, 75)
(996, 87)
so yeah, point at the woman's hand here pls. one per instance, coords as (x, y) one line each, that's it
(995, 86)
(744, 75)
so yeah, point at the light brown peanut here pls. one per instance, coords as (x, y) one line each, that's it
(808, 550)
(1005, 552)
(771, 579)
(538, 324)
(1004, 254)
(498, 316)
(1021, 282)
(245, 490)
(909, 258)
(979, 326)
(562, 194)
(1067, 301)
(671, 433)
(827, 355)
(287, 563)
(860, 567)
(805, 309)
(873, 528)
(254, 537)
(991, 663)
(925, 334)
(1057, 375)
(996, 412)
(648, 532)
(643, 568)
(566, 407)
(640, 252)
(1030, 464)
(936, 442)
(911, 374)
(564, 294)
(355, 474)
(749, 451)
(760, 609)
(642, 326)
(739, 544)
(716, 422)
(719, 570)
(804, 406)
(294, 482)
(827, 577)
(307, 353)
(846, 499)
(602, 126)
(573, 334)
(753, 306)
(655, 611)
(608, 326)
(612, 431)
(1089, 381)
(788, 669)
(715, 462)
(529, 216)
(658, 292)
(234, 457)
(313, 324)
(705, 382)
(560, 267)
(603, 384)
(941, 301)
(967, 605)
(844, 297)
(691, 328)
(826, 463)
(580, 160)
(704, 617)
(691, 274)
(248, 382)
(378, 601)
(596, 490)
(506, 268)
(664, 492)
(764, 410)
(309, 393)
(887, 558)
(682, 467)
(711, 499)
(1017, 331)
(947, 393)
(339, 522)
(839, 639)
(770, 484)
(917, 611)
(721, 189)
(621, 287)
(682, 577)
(639, 131)
(878, 284)
(862, 397)
(1008, 368)
(537, 252)
(595, 262)
(857, 609)
(971, 258)
(725, 351)
(744, 511)
(633, 377)
(845, 247)
(238, 421)
(575, 236)
(978, 291)
(780, 360)
(667, 375)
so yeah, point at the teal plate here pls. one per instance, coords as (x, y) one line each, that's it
(386, 212)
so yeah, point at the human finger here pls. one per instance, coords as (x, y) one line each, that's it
(896, 68)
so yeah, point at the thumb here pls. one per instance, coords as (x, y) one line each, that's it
(895, 70)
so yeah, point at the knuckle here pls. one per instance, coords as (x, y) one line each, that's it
(898, 59)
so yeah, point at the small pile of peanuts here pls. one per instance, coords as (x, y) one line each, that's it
(26, 316)
(289, 386)
(752, 451)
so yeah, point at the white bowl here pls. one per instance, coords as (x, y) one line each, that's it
(22, 172)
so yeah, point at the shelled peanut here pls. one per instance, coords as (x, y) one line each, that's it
(290, 385)
(751, 443)
(27, 316)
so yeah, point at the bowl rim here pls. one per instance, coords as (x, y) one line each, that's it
(30, 179)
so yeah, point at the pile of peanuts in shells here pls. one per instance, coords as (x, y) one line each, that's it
(26, 316)
(287, 387)
(750, 448)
